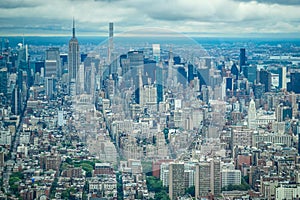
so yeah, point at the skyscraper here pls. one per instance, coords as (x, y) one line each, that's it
(295, 82)
(50, 83)
(110, 41)
(159, 83)
(124, 64)
(16, 101)
(264, 77)
(176, 180)
(136, 59)
(182, 75)
(73, 57)
(242, 57)
(156, 52)
(50, 68)
(208, 178)
(3, 80)
(282, 77)
(250, 73)
(53, 58)
(252, 115)
(190, 72)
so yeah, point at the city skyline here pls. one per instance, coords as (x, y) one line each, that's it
(242, 18)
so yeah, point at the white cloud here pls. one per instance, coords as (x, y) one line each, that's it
(214, 16)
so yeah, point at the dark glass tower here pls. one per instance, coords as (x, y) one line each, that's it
(3, 81)
(159, 83)
(190, 72)
(295, 82)
(242, 57)
(181, 76)
(264, 77)
(250, 73)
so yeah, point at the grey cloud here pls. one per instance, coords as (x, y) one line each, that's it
(92, 16)
(281, 2)
(110, 1)
(8, 4)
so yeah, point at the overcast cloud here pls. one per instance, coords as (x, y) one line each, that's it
(196, 17)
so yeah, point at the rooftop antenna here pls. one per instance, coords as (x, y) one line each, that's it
(73, 27)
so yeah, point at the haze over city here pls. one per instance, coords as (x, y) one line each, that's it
(150, 100)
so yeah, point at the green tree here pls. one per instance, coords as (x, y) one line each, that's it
(119, 186)
(14, 183)
(166, 134)
(147, 167)
(190, 191)
(53, 188)
(69, 161)
(154, 184)
(162, 195)
(67, 193)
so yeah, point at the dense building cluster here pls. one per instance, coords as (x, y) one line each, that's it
(150, 121)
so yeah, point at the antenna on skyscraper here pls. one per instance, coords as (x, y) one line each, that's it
(73, 29)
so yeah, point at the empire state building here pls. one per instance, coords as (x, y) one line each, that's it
(73, 62)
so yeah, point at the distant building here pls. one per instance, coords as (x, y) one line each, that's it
(259, 90)
(283, 113)
(50, 83)
(73, 172)
(38, 65)
(176, 180)
(16, 101)
(164, 174)
(110, 42)
(3, 81)
(230, 177)
(148, 96)
(265, 77)
(103, 168)
(288, 191)
(208, 179)
(282, 77)
(182, 75)
(271, 138)
(156, 52)
(294, 85)
(243, 57)
(136, 59)
(52, 62)
(191, 73)
(51, 68)
(250, 73)
(159, 84)
(73, 58)
(252, 115)
(5, 137)
(241, 136)
(50, 161)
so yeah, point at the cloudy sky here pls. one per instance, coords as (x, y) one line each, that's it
(192, 17)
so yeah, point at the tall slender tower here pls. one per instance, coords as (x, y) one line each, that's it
(252, 115)
(73, 59)
(242, 57)
(110, 41)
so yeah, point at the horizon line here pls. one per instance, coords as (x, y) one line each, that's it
(263, 35)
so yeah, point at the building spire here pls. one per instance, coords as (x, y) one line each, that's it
(73, 28)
